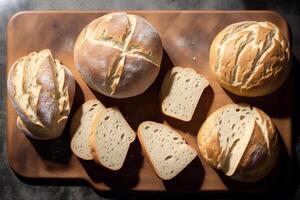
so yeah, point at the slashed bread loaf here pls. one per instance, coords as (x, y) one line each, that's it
(118, 54)
(110, 139)
(166, 149)
(41, 90)
(250, 58)
(241, 141)
(81, 128)
(181, 91)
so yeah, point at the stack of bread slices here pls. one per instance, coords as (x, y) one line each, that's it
(101, 134)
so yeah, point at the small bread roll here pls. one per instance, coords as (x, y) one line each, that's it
(250, 58)
(41, 90)
(241, 141)
(118, 55)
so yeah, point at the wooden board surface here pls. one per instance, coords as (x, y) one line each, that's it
(186, 37)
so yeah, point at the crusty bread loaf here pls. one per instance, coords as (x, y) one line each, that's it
(181, 91)
(41, 90)
(81, 128)
(250, 58)
(166, 149)
(239, 140)
(118, 54)
(110, 139)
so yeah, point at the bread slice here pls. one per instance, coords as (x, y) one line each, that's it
(181, 91)
(81, 128)
(166, 149)
(111, 138)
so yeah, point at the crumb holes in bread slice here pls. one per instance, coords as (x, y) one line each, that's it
(232, 127)
(106, 118)
(175, 138)
(122, 136)
(155, 130)
(94, 105)
(168, 157)
(91, 109)
(187, 80)
(242, 117)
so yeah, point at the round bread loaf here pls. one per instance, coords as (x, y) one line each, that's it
(41, 90)
(118, 55)
(250, 58)
(241, 141)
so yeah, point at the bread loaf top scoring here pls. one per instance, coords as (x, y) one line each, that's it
(41, 90)
(118, 54)
(250, 58)
(240, 140)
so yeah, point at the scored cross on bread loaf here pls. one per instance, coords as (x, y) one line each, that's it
(239, 140)
(110, 138)
(181, 91)
(81, 128)
(167, 150)
(118, 54)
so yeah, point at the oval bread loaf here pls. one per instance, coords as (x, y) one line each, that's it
(239, 140)
(41, 90)
(250, 58)
(118, 54)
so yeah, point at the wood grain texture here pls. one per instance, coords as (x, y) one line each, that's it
(186, 37)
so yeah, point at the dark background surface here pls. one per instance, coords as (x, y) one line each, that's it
(14, 187)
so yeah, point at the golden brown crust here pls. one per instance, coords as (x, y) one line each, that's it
(210, 143)
(259, 157)
(250, 58)
(42, 92)
(114, 52)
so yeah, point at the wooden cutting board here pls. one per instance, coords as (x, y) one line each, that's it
(186, 37)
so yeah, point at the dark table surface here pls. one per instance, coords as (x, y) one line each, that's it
(14, 187)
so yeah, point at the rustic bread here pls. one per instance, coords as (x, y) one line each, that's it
(181, 85)
(250, 58)
(81, 128)
(118, 54)
(166, 149)
(239, 140)
(41, 90)
(110, 139)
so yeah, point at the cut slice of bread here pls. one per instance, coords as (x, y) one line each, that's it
(81, 128)
(167, 150)
(181, 91)
(110, 139)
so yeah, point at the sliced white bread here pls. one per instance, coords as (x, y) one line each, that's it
(110, 139)
(181, 91)
(166, 149)
(81, 128)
